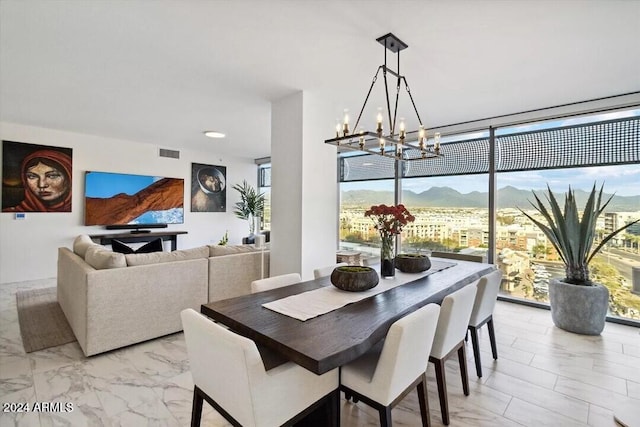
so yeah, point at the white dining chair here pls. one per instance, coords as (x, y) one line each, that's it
(326, 271)
(455, 312)
(382, 377)
(274, 282)
(229, 374)
(482, 313)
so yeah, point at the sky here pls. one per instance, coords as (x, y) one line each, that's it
(623, 180)
(107, 184)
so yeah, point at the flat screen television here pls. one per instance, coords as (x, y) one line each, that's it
(117, 200)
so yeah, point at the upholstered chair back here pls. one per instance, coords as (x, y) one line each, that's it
(223, 364)
(326, 271)
(486, 297)
(405, 353)
(229, 369)
(453, 321)
(275, 282)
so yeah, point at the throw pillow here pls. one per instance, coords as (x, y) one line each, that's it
(81, 244)
(101, 259)
(152, 246)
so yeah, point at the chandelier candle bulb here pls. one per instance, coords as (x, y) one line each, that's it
(379, 122)
(338, 127)
(436, 138)
(345, 129)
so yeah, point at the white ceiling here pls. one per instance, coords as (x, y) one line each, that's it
(164, 71)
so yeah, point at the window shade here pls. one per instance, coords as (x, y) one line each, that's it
(611, 142)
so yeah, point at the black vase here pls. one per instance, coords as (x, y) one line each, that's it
(387, 267)
(387, 261)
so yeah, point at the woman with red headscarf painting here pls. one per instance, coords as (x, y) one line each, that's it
(46, 179)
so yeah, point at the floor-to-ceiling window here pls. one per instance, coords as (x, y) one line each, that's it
(576, 153)
(451, 213)
(450, 198)
(529, 260)
(264, 186)
(356, 231)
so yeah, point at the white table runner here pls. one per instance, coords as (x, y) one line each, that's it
(310, 304)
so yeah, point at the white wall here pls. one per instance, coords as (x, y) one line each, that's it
(28, 248)
(304, 200)
(286, 185)
(320, 189)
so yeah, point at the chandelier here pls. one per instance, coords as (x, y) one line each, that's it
(400, 145)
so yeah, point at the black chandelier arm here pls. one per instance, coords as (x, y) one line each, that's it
(386, 90)
(366, 99)
(395, 110)
(406, 85)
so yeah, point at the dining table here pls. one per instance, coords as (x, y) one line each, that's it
(329, 340)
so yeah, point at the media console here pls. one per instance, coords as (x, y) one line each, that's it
(132, 237)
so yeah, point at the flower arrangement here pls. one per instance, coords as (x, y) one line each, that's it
(389, 221)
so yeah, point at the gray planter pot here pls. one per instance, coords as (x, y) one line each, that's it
(579, 309)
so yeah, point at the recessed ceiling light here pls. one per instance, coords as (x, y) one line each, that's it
(214, 134)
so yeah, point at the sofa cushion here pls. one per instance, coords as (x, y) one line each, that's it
(152, 246)
(101, 259)
(217, 250)
(81, 244)
(158, 257)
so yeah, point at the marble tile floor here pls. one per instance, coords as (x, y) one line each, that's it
(544, 377)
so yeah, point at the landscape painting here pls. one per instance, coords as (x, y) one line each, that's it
(118, 199)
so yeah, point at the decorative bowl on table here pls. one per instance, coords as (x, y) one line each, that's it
(412, 263)
(354, 278)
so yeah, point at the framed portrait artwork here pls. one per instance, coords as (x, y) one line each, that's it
(36, 178)
(208, 188)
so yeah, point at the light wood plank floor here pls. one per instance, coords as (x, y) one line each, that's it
(543, 377)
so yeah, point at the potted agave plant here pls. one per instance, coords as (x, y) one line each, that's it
(577, 304)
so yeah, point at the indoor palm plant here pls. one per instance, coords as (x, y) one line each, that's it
(577, 304)
(250, 206)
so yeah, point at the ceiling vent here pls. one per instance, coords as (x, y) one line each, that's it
(172, 154)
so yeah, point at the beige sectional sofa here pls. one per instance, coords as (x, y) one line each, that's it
(113, 300)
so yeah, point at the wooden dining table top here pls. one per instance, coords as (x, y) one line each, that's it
(333, 339)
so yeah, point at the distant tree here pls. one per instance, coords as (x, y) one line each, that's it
(354, 238)
(505, 220)
(539, 251)
(421, 244)
(451, 244)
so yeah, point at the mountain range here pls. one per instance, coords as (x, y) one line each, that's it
(508, 197)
